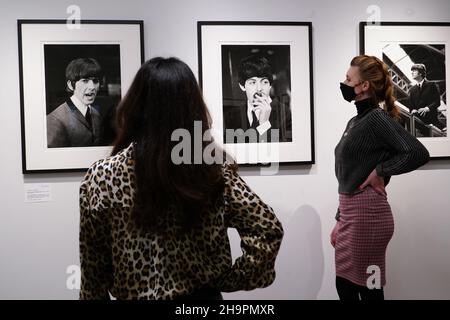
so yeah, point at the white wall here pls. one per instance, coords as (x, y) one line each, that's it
(39, 241)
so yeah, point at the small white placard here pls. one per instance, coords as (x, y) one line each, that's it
(38, 192)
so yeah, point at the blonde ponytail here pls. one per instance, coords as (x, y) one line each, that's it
(389, 99)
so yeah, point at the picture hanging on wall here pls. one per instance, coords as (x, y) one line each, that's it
(417, 56)
(257, 82)
(71, 79)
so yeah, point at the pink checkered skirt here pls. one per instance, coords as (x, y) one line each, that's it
(365, 228)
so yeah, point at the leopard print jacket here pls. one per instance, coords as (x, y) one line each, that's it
(136, 265)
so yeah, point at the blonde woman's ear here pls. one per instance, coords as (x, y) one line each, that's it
(366, 85)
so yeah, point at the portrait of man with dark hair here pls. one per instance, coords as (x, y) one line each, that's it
(257, 111)
(82, 92)
(76, 122)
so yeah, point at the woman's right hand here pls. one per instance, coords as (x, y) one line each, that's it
(334, 234)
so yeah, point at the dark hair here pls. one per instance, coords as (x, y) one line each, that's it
(421, 68)
(254, 66)
(82, 68)
(164, 96)
(381, 88)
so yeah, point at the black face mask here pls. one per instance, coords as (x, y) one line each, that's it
(348, 92)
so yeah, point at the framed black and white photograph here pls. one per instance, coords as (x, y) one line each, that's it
(257, 82)
(417, 58)
(72, 80)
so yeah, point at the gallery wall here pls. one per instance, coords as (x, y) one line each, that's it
(39, 241)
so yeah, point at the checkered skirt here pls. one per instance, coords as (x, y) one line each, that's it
(365, 228)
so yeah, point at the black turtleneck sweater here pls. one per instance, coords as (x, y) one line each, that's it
(373, 140)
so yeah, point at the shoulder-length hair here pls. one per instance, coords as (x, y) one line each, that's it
(164, 96)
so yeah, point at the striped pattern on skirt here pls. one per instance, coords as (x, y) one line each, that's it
(365, 228)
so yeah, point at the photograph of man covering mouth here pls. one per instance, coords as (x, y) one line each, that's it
(256, 93)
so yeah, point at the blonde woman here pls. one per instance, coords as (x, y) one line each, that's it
(373, 148)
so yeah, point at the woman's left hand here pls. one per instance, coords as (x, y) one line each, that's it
(375, 181)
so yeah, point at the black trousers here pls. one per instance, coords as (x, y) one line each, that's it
(348, 290)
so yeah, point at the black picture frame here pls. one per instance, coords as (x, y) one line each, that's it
(404, 44)
(46, 48)
(286, 45)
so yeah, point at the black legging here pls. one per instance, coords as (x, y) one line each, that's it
(348, 290)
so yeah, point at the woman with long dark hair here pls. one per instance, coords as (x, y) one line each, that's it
(373, 148)
(151, 228)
